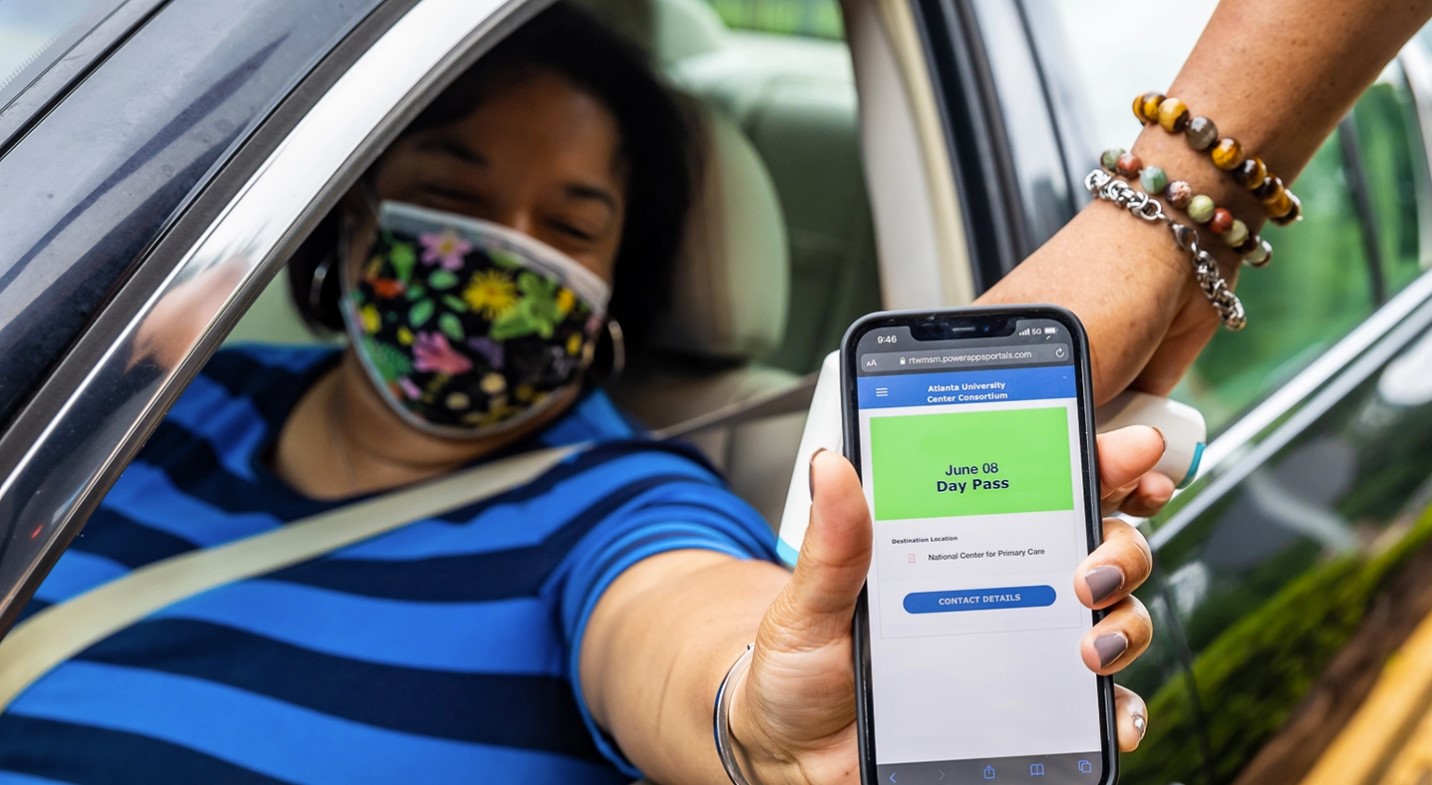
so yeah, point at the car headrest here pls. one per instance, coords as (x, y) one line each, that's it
(732, 278)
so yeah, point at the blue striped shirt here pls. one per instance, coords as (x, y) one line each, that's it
(445, 651)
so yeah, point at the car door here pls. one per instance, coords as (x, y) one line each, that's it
(1286, 575)
(157, 172)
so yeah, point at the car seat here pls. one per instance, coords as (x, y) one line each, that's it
(727, 309)
(794, 97)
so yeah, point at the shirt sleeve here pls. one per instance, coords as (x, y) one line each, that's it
(683, 506)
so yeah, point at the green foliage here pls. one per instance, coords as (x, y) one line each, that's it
(1318, 286)
(420, 313)
(505, 259)
(442, 279)
(814, 18)
(536, 312)
(451, 326)
(1252, 677)
(1391, 148)
(403, 258)
(387, 360)
(1315, 291)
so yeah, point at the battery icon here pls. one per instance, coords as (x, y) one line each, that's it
(1050, 330)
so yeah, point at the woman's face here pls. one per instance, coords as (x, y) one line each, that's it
(537, 155)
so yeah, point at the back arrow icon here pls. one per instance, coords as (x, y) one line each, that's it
(892, 776)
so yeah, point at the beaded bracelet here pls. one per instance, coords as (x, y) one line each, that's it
(1205, 268)
(1249, 171)
(1254, 250)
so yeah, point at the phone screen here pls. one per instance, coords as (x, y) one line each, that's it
(973, 460)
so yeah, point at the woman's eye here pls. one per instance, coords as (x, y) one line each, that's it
(575, 232)
(453, 197)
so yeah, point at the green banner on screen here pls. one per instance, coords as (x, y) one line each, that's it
(971, 463)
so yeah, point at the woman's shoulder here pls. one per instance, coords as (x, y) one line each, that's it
(248, 367)
(247, 388)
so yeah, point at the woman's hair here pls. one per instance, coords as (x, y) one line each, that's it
(657, 148)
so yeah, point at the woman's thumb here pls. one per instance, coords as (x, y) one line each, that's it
(816, 606)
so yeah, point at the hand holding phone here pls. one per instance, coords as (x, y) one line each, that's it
(973, 434)
(794, 714)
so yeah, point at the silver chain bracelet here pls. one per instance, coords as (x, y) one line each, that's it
(1205, 268)
(721, 720)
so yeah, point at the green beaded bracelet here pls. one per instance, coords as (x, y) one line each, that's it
(1255, 251)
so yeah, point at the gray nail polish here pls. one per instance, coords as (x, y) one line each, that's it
(1103, 582)
(811, 479)
(1141, 725)
(1110, 647)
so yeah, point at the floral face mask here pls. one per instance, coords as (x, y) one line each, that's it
(467, 327)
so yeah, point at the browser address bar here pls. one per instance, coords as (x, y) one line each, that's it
(950, 359)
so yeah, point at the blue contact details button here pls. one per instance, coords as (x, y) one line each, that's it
(979, 599)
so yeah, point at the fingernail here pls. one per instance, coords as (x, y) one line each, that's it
(1103, 582)
(811, 480)
(1162, 438)
(1141, 725)
(1110, 647)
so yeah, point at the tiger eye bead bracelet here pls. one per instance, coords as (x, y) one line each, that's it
(1255, 251)
(1173, 115)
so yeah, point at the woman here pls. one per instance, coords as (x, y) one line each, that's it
(574, 629)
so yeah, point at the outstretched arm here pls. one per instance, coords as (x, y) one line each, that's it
(1277, 75)
(666, 631)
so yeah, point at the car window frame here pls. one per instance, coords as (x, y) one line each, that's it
(1260, 432)
(1066, 101)
(1275, 420)
(55, 466)
(975, 137)
(49, 87)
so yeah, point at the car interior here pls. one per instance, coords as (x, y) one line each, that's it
(782, 203)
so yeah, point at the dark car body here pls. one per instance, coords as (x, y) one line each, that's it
(154, 178)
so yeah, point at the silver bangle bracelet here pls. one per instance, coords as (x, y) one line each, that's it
(721, 720)
(1109, 188)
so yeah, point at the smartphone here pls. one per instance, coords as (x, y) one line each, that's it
(972, 430)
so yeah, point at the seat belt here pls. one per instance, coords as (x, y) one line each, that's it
(40, 643)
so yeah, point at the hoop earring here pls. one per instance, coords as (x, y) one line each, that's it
(325, 267)
(320, 277)
(618, 339)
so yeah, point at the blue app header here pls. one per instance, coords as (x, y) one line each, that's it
(957, 387)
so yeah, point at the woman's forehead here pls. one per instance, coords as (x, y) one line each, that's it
(540, 122)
